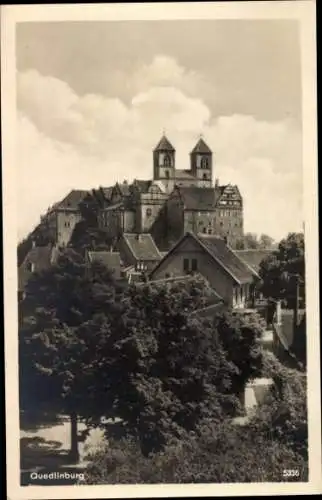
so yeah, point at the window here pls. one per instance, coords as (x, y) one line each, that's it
(204, 177)
(221, 224)
(167, 161)
(209, 231)
(148, 212)
(167, 174)
(204, 163)
(186, 265)
(204, 230)
(194, 265)
(31, 267)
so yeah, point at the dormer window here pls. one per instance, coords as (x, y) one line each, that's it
(31, 267)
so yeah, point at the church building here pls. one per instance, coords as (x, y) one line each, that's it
(173, 202)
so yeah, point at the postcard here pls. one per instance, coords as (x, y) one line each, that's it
(160, 236)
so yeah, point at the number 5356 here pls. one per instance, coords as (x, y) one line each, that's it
(291, 473)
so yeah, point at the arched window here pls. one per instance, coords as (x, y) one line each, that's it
(167, 161)
(204, 162)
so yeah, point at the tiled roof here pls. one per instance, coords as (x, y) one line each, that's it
(229, 260)
(120, 204)
(41, 258)
(164, 145)
(183, 174)
(201, 147)
(107, 192)
(124, 188)
(109, 259)
(142, 246)
(253, 257)
(142, 186)
(197, 198)
(72, 200)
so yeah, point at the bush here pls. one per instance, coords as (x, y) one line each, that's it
(224, 454)
(284, 414)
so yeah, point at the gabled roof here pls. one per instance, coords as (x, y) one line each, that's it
(123, 188)
(253, 257)
(111, 260)
(183, 174)
(142, 246)
(72, 200)
(197, 198)
(41, 258)
(201, 147)
(218, 250)
(225, 256)
(164, 145)
(107, 191)
(142, 186)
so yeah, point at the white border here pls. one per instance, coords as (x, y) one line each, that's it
(305, 13)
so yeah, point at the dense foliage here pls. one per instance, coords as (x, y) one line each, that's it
(252, 241)
(137, 354)
(52, 354)
(280, 270)
(221, 451)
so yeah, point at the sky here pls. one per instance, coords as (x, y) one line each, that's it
(93, 99)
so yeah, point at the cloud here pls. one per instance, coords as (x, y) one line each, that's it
(82, 141)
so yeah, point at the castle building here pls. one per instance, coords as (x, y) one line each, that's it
(173, 202)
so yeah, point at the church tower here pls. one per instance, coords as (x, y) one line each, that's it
(164, 163)
(201, 163)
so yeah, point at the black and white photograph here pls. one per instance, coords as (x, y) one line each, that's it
(160, 249)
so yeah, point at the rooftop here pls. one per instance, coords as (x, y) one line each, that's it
(183, 174)
(72, 200)
(142, 246)
(164, 145)
(253, 257)
(111, 260)
(198, 198)
(41, 258)
(201, 147)
(229, 260)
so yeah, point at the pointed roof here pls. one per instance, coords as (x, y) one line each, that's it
(201, 147)
(220, 252)
(164, 145)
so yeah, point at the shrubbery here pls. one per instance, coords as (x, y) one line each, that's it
(275, 438)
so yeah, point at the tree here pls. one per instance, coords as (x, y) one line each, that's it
(175, 370)
(266, 242)
(282, 268)
(87, 234)
(240, 338)
(222, 451)
(85, 237)
(251, 241)
(56, 354)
